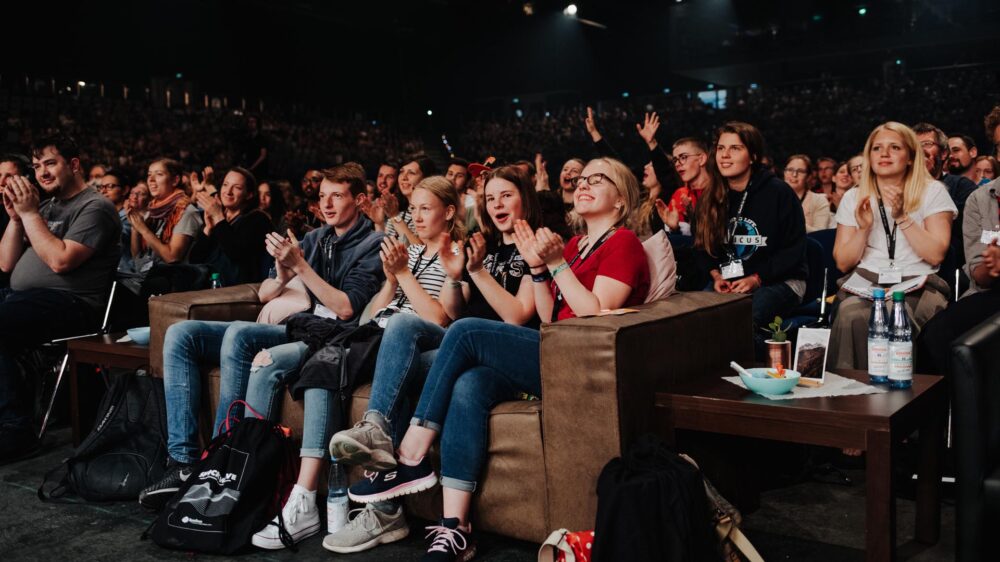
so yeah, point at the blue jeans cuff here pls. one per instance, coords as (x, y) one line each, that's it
(313, 453)
(456, 484)
(426, 423)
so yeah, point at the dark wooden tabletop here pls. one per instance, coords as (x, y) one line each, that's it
(105, 343)
(712, 394)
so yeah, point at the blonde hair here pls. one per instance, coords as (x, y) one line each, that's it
(445, 191)
(917, 176)
(627, 186)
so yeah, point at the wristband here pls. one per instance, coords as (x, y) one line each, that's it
(541, 277)
(905, 224)
(455, 284)
(559, 269)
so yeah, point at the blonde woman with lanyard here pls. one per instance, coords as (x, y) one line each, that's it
(482, 362)
(895, 226)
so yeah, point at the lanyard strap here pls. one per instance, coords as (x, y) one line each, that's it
(890, 236)
(417, 271)
(559, 296)
(730, 250)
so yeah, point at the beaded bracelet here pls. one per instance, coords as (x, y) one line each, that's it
(560, 268)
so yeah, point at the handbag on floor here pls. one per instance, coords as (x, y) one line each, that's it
(125, 452)
(238, 486)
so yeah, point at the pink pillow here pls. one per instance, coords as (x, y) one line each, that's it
(293, 299)
(662, 267)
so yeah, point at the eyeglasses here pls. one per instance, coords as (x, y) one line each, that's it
(592, 179)
(683, 157)
(796, 171)
(856, 168)
(316, 180)
(105, 186)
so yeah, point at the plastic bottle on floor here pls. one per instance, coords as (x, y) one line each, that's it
(337, 503)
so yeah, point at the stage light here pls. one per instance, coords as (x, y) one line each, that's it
(519, 113)
(624, 94)
(862, 11)
(528, 8)
(517, 100)
(899, 61)
(81, 83)
(711, 86)
(666, 90)
(754, 85)
(547, 114)
(429, 113)
(179, 75)
(570, 10)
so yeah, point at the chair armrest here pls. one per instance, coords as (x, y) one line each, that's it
(227, 304)
(600, 377)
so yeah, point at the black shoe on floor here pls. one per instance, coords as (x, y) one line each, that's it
(16, 442)
(156, 496)
(449, 543)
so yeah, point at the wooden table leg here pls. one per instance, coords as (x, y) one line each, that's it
(880, 504)
(74, 400)
(928, 525)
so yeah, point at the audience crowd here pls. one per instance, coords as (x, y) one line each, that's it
(457, 264)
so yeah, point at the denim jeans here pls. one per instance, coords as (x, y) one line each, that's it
(480, 363)
(265, 396)
(28, 319)
(408, 348)
(189, 344)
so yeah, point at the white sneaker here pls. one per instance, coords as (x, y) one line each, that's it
(367, 529)
(301, 518)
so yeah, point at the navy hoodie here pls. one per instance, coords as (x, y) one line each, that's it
(770, 234)
(356, 265)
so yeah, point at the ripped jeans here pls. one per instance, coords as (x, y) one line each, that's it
(268, 373)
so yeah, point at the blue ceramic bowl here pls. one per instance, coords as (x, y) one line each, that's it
(139, 335)
(763, 384)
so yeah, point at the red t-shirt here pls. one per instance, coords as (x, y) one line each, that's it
(675, 201)
(620, 257)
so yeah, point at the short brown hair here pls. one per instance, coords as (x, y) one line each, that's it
(805, 158)
(992, 121)
(693, 141)
(531, 209)
(351, 173)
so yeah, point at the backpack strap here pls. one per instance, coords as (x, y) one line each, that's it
(58, 492)
(741, 542)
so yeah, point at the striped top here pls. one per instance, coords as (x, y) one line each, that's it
(429, 273)
(390, 229)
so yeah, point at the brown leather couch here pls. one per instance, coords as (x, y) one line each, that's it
(599, 378)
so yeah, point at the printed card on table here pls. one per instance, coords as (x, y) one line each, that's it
(811, 351)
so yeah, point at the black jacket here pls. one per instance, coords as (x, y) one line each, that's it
(770, 234)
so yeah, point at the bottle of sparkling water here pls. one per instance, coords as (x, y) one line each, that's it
(900, 345)
(216, 281)
(337, 503)
(878, 340)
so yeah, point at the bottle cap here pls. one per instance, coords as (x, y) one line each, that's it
(898, 296)
(215, 276)
(878, 293)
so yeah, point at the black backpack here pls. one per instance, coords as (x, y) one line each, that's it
(651, 506)
(239, 485)
(124, 453)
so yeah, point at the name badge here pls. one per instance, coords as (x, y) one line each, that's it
(324, 312)
(890, 276)
(732, 270)
(989, 236)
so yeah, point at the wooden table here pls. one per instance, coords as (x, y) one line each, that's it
(99, 350)
(871, 422)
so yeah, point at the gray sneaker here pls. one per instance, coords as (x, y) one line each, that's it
(367, 529)
(365, 444)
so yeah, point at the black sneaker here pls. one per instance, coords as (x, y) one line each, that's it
(155, 497)
(449, 543)
(17, 442)
(382, 486)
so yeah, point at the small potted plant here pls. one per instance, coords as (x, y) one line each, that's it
(779, 349)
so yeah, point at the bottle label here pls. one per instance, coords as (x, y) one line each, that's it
(878, 357)
(900, 360)
(336, 514)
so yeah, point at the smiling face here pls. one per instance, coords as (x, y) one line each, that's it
(111, 187)
(311, 182)
(842, 178)
(732, 157)
(984, 170)
(386, 179)
(601, 199)
(409, 176)
(960, 157)
(139, 196)
(856, 164)
(889, 155)
(932, 152)
(570, 170)
(796, 173)
(430, 215)
(53, 171)
(234, 195)
(338, 205)
(503, 203)
(161, 183)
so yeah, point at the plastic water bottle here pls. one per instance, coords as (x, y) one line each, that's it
(336, 498)
(216, 281)
(900, 345)
(878, 340)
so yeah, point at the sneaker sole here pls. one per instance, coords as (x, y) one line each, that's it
(418, 485)
(158, 498)
(384, 538)
(276, 544)
(350, 451)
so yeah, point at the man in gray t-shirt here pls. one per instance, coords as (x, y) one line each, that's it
(61, 254)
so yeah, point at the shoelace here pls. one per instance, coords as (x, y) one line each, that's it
(359, 518)
(295, 505)
(446, 538)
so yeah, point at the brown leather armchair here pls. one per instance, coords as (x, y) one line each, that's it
(599, 379)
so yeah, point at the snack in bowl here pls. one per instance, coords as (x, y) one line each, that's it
(762, 382)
